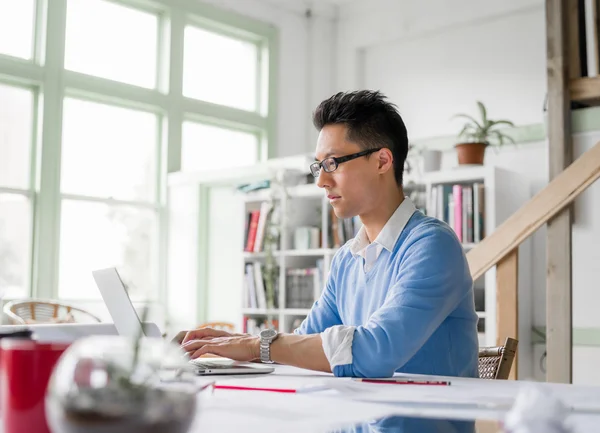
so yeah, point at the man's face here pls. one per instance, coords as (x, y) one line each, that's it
(352, 187)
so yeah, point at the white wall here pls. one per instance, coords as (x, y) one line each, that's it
(437, 58)
(306, 59)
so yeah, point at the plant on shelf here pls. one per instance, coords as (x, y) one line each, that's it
(420, 159)
(272, 238)
(477, 135)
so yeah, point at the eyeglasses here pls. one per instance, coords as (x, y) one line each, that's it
(331, 164)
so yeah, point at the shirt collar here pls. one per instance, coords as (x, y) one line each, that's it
(391, 230)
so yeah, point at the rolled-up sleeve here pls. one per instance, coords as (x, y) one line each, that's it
(418, 301)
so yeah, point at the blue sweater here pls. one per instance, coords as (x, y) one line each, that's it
(412, 312)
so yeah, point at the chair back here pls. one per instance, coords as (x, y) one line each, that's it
(496, 362)
(222, 326)
(40, 311)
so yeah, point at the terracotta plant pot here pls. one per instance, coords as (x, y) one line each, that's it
(470, 153)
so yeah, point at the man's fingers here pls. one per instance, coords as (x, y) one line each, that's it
(214, 349)
(193, 345)
(199, 334)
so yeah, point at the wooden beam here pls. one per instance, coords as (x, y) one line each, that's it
(560, 28)
(560, 192)
(585, 89)
(507, 302)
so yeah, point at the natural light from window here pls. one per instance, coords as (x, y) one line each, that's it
(16, 122)
(108, 151)
(97, 235)
(15, 245)
(220, 69)
(17, 18)
(111, 41)
(206, 147)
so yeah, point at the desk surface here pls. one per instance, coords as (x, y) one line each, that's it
(351, 407)
(344, 405)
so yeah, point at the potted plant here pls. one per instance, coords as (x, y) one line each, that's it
(477, 135)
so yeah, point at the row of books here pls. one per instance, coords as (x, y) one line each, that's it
(462, 207)
(255, 287)
(257, 223)
(303, 285)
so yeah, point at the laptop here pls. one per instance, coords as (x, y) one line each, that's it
(128, 323)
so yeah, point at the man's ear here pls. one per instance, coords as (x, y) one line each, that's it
(385, 160)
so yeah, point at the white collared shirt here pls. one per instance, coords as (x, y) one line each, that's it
(387, 238)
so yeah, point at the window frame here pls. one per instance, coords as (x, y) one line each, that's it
(51, 83)
(29, 191)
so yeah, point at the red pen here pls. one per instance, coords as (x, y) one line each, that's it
(285, 390)
(247, 388)
(400, 381)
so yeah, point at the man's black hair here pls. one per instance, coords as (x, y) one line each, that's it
(371, 122)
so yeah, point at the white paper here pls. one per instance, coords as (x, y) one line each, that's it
(478, 393)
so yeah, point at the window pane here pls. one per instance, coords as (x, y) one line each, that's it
(220, 69)
(16, 123)
(16, 27)
(111, 41)
(108, 151)
(207, 147)
(15, 245)
(97, 235)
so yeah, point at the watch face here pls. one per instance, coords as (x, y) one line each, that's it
(268, 333)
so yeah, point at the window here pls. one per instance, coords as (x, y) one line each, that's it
(207, 147)
(108, 152)
(16, 27)
(16, 121)
(15, 245)
(111, 41)
(83, 170)
(98, 235)
(16, 130)
(220, 69)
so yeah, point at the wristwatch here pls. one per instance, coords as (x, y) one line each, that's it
(267, 336)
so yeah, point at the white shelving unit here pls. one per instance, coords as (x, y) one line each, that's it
(303, 205)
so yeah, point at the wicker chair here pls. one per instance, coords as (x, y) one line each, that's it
(222, 326)
(39, 311)
(496, 362)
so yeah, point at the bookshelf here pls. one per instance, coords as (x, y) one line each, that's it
(499, 193)
(302, 253)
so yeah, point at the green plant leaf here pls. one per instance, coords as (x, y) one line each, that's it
(502, 122)
(466, 116)
(483, 112)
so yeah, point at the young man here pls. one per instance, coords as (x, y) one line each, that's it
(399, 297)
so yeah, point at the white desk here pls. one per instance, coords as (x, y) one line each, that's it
(328, 411)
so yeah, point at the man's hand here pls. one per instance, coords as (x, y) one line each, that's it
(200, 334)
(239, 347)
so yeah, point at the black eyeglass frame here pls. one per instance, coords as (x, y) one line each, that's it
(318, 165)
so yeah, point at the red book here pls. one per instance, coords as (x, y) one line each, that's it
(252, 231)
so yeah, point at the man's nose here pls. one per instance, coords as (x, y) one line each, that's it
(324, 179)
